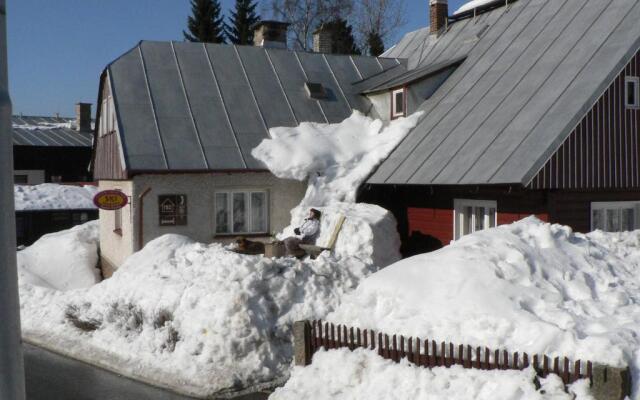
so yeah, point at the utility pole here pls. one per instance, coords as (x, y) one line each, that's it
(11, 361)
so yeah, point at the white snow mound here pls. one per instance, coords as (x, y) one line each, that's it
(52, 196)
(471, 5)
(361, 374)
(194, 317)
(63, 260)
(528, 287)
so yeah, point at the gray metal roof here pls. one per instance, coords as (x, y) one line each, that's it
(193, 106)
(525, 84)
(48, 132)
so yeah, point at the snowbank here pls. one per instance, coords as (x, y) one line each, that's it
(191, 316)
(529, 287)
(362, 374)
(51, 196)
(335, 158)
(64, 260)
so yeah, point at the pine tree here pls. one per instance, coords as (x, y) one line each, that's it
(342, 34)
(241, 23)
(375, 44)
(206, 22)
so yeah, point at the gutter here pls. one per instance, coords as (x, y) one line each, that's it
(141, 218)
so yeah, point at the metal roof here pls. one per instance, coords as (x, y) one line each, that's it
(526, 82)
(194, 106)
(48, 132)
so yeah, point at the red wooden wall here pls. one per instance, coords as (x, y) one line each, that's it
(603, 150)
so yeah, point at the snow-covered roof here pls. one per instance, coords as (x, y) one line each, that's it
(48, 131)
(52, 196)
(193, 106)
(532, 71)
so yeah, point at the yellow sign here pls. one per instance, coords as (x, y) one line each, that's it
(110, 200)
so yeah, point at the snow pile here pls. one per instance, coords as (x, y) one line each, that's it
(473, 4)
(362, 374)
(63, 260)
(51, 196)
(47, 125)
(191, 316)
(336, 158)
(528, 287)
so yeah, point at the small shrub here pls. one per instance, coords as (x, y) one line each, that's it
(161, 318)
(173, 337)
(127, 316)
(73, 315)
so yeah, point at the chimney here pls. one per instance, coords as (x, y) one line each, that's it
(438, 15)
(83, 117)
(323, 40)
(272, 34)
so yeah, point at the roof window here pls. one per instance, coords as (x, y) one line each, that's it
(315, 90)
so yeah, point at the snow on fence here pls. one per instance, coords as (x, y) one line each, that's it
(310, 336)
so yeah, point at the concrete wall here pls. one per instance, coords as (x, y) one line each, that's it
(381, 103)
(116, 246)
(283, 195)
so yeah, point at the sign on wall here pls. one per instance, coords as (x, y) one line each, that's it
(172, 209)
(110, 200)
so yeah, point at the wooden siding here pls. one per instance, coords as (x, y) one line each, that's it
(434, 222)
(107, 162)
(602, 152)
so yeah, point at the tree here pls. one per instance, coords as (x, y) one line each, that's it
(304, 16)
(206, 22)
(375, 45)
(343, 41)
(242, 21)
(376, 21)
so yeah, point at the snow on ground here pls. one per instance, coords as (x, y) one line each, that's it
(528, 287)
(362, 374)
(192, 316)
(62, 261)
(52, 196)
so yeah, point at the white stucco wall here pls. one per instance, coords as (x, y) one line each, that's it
(283, 195)
(115, 247)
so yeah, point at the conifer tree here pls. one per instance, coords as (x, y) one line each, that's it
(342, 34)
(206, 22)
(241, 23)
(375, 44)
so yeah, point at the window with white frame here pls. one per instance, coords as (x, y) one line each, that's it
(615, 216)
(398, 103)
(241, 211)
(473, 215)
(632, 91)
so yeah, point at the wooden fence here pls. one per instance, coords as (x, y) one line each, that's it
(312, 335)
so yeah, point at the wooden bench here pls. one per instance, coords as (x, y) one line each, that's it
(314, 251)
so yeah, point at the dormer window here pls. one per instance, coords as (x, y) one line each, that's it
(398, 103)
(632, 91)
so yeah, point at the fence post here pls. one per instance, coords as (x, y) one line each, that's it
(610, 383)
(302, 343)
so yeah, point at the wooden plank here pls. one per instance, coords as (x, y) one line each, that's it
(336, 232)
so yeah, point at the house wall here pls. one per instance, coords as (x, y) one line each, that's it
(108, 159)
(116, 246)
(381, 106)
(603, 150)
(31, 225)
(71, 164)
(34, 176)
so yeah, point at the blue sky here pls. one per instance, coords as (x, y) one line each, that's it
(58, 48)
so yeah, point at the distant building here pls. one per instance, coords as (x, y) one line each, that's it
(52, 149)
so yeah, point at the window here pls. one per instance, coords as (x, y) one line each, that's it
(473, 215)
(315, 90)
(241, 211)
(21, 179)
(632, 91)
(616, 216)
(398, 103)
(117, 221)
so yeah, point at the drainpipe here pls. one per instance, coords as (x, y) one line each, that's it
(11, 361)
(141, 217)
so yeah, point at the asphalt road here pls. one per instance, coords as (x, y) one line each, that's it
(50, 376)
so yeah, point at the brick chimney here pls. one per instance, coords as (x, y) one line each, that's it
(323, 40)
(272, 34)
(438, 15)
(83, 117)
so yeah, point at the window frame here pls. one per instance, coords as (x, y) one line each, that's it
(635, 81)
(394, 113)
(458, 214)
(250, 223)
(617, 205)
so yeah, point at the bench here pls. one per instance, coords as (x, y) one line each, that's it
(314, 251)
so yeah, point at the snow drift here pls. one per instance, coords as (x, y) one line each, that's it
(51, 196)
(361, 374)
(529, 287)
(64, 260)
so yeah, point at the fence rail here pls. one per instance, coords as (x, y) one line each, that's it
(313, 335)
